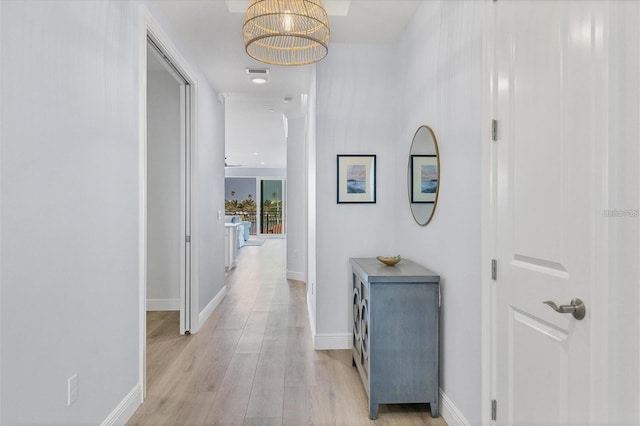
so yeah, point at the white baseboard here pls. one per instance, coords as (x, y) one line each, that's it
(297, 276)
(163, 304)
(211, 306)
(327, 341)
(450, 412)
(123, 412)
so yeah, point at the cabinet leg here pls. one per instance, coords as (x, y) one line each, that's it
(373, 411)
(353, 362)
(434, 409)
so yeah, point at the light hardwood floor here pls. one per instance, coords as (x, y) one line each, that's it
(253, 363)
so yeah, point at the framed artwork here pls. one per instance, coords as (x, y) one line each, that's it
(424, 178)
(356, 179)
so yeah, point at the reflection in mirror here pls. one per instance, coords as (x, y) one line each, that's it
(423, 175)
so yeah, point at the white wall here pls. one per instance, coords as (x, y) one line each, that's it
(356, 114)
(209, 185)
(432, 76)
(441, 71)
(70, 173)
(163, 191)
(69, 205)
(296, 201)
(310, 220)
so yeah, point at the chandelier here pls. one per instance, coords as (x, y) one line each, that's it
(286, 32)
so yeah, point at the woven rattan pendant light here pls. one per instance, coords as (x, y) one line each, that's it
(286, 32)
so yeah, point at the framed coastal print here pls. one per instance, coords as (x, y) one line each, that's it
(424, 178)
(356, 179)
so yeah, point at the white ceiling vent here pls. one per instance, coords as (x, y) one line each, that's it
(257, 71)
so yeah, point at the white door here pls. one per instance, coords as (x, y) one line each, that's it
(545, 89)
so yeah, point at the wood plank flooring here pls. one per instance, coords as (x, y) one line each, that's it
(253, 362)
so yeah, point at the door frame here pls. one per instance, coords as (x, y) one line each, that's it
(189, 285)
(489, 228)
(488, 206)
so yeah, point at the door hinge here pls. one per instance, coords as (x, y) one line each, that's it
(494, 269)
(188, 238)
(494, 409)
(494, 130)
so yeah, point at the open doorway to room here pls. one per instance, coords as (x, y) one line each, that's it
(163, 191)
(166, 194)
(167, 189)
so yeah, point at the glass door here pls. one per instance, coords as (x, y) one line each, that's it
(272, 219)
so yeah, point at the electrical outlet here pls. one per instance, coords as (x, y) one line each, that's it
(73, 389)
(219, 215)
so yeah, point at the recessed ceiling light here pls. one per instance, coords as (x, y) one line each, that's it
(259, 80)
(256, 153)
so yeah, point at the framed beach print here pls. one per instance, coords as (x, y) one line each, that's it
(424, 178)
(356, 179)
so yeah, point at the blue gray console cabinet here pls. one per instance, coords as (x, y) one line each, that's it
(396, 313)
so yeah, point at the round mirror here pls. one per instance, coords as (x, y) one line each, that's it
(423, 175)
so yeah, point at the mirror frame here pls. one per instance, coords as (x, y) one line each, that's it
(413, 151)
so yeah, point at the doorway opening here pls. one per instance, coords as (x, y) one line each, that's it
(168, 186)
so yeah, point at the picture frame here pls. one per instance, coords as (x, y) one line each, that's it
(425, 176)
(356, 176)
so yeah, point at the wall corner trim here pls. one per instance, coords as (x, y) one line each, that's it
(211, 306)
(123, 412)
(450, 412)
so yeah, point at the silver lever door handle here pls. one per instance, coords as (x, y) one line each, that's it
(576, 308)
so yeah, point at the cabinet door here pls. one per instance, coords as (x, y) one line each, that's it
(357, 340)
(404, 342)
(364, 331)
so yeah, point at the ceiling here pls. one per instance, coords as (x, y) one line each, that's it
(212, 30)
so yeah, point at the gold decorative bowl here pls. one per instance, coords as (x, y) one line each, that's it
(389, 261)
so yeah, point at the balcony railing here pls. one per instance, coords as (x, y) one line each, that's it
(270, 221)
